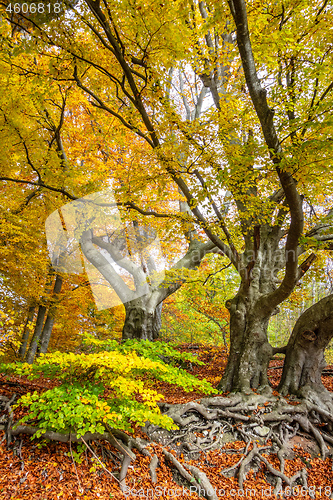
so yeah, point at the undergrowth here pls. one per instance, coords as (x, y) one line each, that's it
(104, 388)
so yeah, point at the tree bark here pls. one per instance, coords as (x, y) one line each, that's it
(30, 356)
(142, 305)
(157, 323)
(250, 351)
(305, 359)
(142, 321)
(49, 322)
(36, 336)
(26, 332)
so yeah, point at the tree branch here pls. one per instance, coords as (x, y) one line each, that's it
(265, 115)
(103, 106)
(40, 184)
(136, 271)
(306, 265)
(105, 268)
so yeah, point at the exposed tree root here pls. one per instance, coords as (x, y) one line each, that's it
(236, 465)
(273, 422)
(205, 485)
(152, 468)
(181, 469)
(265, 425)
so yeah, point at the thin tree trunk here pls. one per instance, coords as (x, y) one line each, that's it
(26, 332)
(39, 321)
(36, 336)
(49, 322)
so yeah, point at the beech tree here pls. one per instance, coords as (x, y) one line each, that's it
(121, 253)
(224, 106)
(33, 141)
(251, 167)
(50, 124)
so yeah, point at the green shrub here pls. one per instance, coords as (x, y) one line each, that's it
(104, 389)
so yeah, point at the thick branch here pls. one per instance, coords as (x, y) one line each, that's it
(136, 271)
(40, 184)
(265, 115)
(105, 268)
(306, 265)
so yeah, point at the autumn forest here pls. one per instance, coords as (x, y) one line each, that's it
(166, 237)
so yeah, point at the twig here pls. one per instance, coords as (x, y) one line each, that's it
(78, 479)
(107, 470)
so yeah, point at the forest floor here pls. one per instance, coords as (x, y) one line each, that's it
(43, 470)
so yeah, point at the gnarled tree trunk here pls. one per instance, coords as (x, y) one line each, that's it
(250, 351)
(142, 321)
(305, 360)
(142, 305)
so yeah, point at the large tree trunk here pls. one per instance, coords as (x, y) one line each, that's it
(305, 360)
(142, 321)
(157, 322)
(250, 351)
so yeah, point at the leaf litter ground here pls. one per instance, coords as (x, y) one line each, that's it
(39, 469)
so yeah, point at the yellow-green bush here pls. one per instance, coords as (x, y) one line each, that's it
(107, 388)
